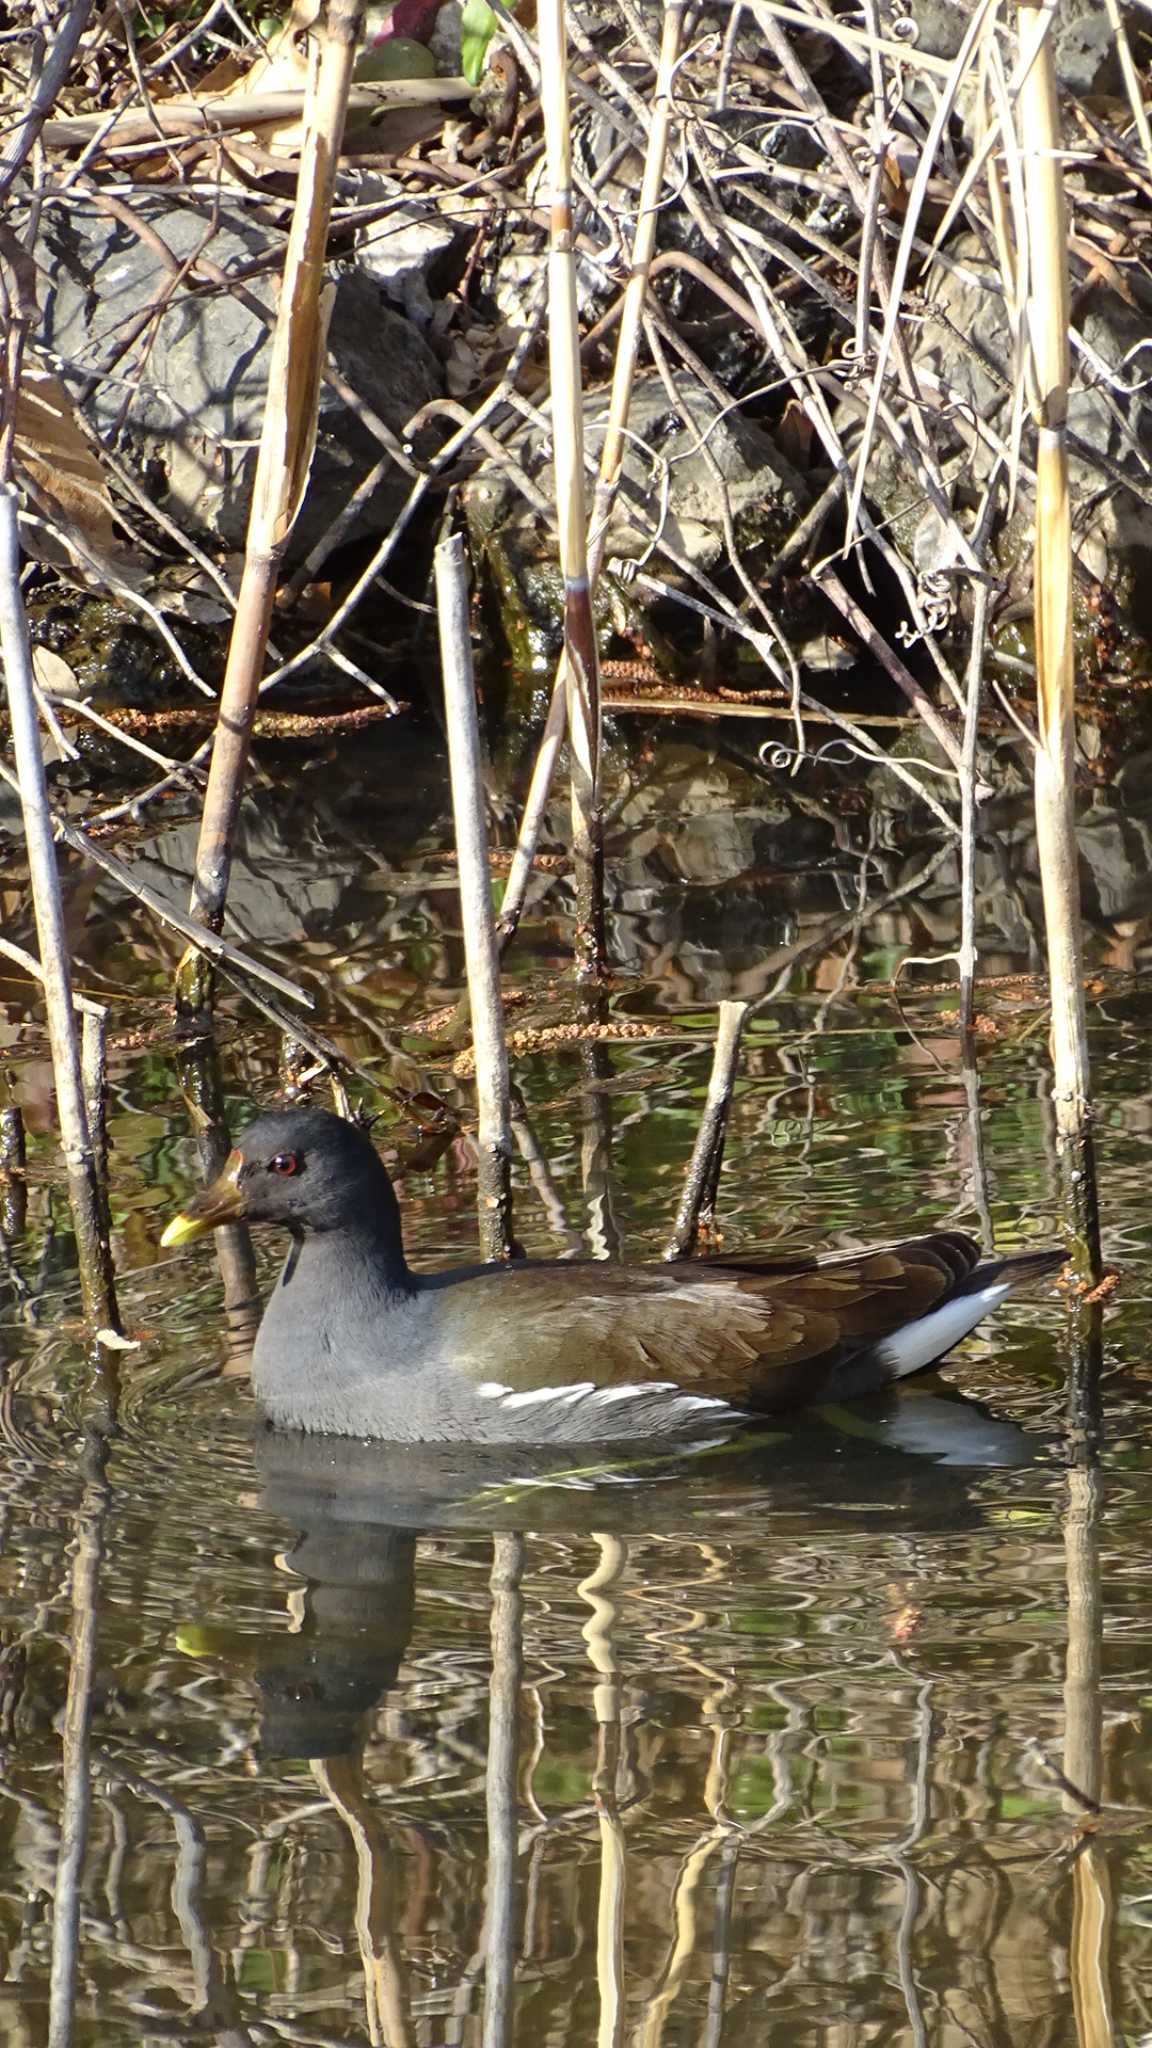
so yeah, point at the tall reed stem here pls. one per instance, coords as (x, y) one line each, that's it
(287, 441)
(96, 1281)
(1048, 313)
(612, 450)
(581, 667)
(481, 953)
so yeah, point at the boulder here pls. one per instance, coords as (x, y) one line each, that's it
(962, 348)
(1085, 48)
(670, 491)
(175, 366)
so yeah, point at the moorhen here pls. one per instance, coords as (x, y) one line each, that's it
(353, 1343)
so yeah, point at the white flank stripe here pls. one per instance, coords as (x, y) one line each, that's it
(919, 1344)
(606, 1395)
(492, 1390)
(536, 1395)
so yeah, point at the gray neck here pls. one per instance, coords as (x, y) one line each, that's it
(362, 1258)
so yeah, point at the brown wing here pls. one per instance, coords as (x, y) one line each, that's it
(761, 1334)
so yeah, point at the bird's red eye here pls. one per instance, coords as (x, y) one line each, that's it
(285, 1162)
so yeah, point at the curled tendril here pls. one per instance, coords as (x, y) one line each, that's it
(938, 604)
(775, 754)
(859, 362)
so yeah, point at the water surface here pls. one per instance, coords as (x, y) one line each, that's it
(769, 1748)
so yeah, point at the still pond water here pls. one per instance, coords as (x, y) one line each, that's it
(768, 1749)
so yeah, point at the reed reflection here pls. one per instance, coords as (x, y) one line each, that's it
(369, 1519)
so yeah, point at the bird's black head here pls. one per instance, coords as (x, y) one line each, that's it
(303, 1168)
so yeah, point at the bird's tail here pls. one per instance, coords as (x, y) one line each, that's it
(1015, 1269)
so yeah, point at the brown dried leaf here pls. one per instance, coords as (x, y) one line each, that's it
(52, 447)
(54, 674)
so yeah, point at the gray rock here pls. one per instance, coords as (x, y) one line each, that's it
(671, 490)
(669, 463)
(963, 350)
(403, 250)
(184, 384)
(1082, 36)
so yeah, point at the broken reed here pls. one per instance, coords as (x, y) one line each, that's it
(287, 441)
(1046, 253)
(702, 1178)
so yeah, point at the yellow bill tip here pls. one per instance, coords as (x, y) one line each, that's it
(182, 1230)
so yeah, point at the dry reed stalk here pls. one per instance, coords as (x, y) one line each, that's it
(97, 1287)
(702, 1178)
(286, 446)
(481, 953)
(94, 1072)
(581, 669)
(612, 451)
(1048, 313)
(969, 783)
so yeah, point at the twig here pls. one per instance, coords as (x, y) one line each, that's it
(66, 33)
(199, 118)
(829, 582)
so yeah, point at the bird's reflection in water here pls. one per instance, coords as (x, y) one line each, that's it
(359, 1509)
(904, 1463)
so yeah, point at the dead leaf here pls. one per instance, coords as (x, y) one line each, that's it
(52, 447)
(54, 675)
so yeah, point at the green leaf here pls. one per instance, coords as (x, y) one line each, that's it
(399, 57)
(476, 26)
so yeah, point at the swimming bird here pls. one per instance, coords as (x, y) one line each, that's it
(354, 1343)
